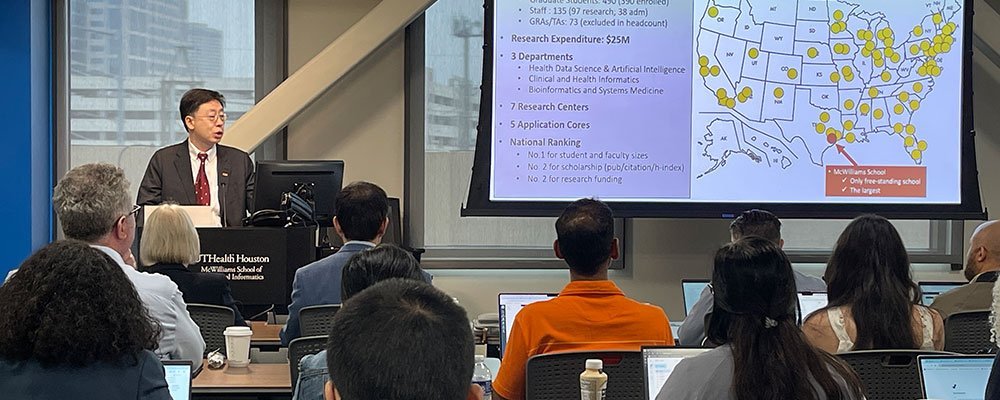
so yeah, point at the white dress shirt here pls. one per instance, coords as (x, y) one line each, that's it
(211, 172)
(180, 338)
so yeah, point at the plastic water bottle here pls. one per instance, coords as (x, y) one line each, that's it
(482, 376)
(593, 381)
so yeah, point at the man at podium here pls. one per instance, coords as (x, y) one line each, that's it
(199, 170)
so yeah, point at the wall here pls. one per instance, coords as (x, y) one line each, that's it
(25, 206)
(361, 122)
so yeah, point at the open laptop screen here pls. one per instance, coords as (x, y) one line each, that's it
(691, 290)
(955, 377)
(511, 304)
(659, 363)
(178, 378)
(809, 302)
(933, 289)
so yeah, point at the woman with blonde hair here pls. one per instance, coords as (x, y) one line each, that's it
(169, 246)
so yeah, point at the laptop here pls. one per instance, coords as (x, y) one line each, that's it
(179, 375)
(810, 302)
(691, 290)
(932, 289)
(658, 363)
(955, 377)
(510, 304)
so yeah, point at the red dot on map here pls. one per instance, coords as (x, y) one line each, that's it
(831, 138)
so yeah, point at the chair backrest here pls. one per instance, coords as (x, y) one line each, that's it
(968, 332)
(317, 320)
(557, 375)
(212, 320)
(301, 347)
(888, 374)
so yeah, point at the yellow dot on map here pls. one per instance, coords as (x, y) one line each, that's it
(846, 70)
(850, 137)
(914, 49)
(873, 92)
(898, 127)
(879, 63)
(824, 116)
(741, 98)
(812, 52)
(747, 92)
(865, 52)
(918, 30)
(889, 42)
(922, 145)
(793, 73)
(731, 103)
(903, 97)
(945, 47)
(949, 40)
(910, 129)
(831, 131)
(869, 45)
(849, 77)
(713, 11)
(835, 28)
(878, 114)
(886, 76)
(922, 71)
(895, 58)
(834, 77)
(925, 45)
(753, 53)
(820, 127)
(849, 104)
(839, 135)
(703, 61)
(935, 70)
(865, 108)
(898, 109)
(848, 125)
(779, 93)
(916, 154)
(918, 87)
(877, 54)
(914, 105)
(721, 93)
(938, 48)
(881, 34)
(948, 29)
(838, 15)
(937, 18)
(909, 141)
(715, 70)
(703, 71)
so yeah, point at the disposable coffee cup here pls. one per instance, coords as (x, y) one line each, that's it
(238, 345)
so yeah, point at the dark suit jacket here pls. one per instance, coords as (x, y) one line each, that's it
(169, 179)
(100, 381)
(200, 287)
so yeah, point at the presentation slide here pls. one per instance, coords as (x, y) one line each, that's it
(727, 101)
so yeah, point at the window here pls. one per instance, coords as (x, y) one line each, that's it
(130, 61)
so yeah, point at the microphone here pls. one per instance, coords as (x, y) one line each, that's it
(223, 178)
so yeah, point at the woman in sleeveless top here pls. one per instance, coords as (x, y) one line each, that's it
(874, 303)
(762, 352)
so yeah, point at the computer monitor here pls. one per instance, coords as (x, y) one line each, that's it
(955, 377)
(178, 374)
(691, 290)
(659, 362)
(810, 302)
(932, 289)
(320, 180)
(510, 304)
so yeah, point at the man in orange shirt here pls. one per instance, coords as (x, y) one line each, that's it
(591, 313)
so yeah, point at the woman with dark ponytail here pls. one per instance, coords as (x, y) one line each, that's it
(763, 353)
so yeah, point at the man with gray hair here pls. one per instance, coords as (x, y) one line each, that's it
(93, 205)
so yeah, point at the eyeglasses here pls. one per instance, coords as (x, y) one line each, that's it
(135, 209)
(215, 118)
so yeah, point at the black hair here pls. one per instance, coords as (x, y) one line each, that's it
(361, 210)
(756, 313)
(368, 267)
(757, 222)
(869, 271)
(71, 305)
(585, 231)
(194, 98)
(401, 339)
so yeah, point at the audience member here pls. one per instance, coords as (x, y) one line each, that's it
(982, 264)
(169, 246)
(92, 204)
(762, 352)
(74, 327)
(403, 340)
(750, 223)
(591, 312)
(874, 303)
(362, 218)
(364, 269)
(993, 386)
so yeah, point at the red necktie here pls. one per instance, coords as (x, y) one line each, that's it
(201, 191)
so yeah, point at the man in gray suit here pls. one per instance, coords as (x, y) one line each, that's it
(982, 265)
(750, 223)
(199, 170)
(362, 218)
